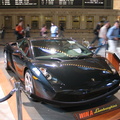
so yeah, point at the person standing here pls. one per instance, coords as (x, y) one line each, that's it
(44, 31)
(20, 30)
(54, 30)
(3, 31)
(96, 32)
(61, 28)
(103, 36)
(27, 30)
(112, 35)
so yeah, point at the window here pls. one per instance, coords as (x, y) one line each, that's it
(19, 2)
(24, 47)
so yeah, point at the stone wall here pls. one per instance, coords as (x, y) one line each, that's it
(88, 18)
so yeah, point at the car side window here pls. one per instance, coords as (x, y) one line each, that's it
(24, 46)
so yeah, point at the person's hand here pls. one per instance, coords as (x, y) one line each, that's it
(21, 31)
(103, 42)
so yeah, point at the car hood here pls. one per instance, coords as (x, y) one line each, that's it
(79, 73)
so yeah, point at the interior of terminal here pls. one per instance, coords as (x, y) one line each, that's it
(51, 69)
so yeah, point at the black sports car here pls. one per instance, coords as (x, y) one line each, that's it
(61, 71)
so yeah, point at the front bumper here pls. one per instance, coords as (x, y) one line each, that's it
(78, 103)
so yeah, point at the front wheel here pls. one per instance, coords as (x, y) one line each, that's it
(29, 83)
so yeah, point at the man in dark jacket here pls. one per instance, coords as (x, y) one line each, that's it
(96, 32)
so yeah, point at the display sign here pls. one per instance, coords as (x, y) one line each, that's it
(94, 2)
(85, 114)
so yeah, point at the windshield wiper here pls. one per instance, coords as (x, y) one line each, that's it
(76, 57)
(84, 56)
(55, 59)
(81, 56)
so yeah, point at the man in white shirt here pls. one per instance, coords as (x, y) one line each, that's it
(54, 30)
(103, 36)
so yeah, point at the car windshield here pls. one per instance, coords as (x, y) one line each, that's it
(58, 49)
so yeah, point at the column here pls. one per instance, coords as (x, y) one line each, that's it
(83, 22)
(14, 21)
(55, 18)
(69, 22)
(27, 20)
(41, 20)
(96, 20)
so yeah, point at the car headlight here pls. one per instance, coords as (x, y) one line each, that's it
(45, 73)
(49, 77)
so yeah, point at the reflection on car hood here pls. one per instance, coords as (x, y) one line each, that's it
(83, 73)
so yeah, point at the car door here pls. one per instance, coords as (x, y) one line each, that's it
(20, 58)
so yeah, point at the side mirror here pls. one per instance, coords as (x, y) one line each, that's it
(14, 43)
(92, 47)
(17, 53)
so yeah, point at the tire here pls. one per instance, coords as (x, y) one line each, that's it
(6, 61)
(29, 87)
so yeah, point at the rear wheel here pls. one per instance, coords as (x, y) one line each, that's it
(6, 61)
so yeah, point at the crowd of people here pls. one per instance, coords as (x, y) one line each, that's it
(107, 36)
(20, 32)
(55, 30)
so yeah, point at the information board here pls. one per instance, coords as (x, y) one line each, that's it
(94, 2)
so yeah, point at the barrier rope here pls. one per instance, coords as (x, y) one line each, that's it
(9, 95)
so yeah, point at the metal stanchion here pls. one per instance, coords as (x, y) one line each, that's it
(17, 89)
(18, 100)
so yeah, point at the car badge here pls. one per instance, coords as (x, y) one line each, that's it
(93, 79)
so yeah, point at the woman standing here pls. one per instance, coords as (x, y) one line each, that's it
(44, 31)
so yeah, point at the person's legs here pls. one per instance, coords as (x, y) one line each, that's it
(61, 34)
(2, 35)
(19, 36)
(27, 34)
(112, 46)
(95, 38)
(53, 35)
(100, 45)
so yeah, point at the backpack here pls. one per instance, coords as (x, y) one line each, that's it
(95, 31)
